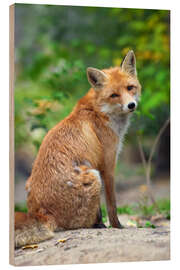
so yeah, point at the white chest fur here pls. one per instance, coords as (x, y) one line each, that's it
(119, 124)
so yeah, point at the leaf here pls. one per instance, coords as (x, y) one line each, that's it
(131, 223)
(61, 241)
(30, 247)
(143, 188)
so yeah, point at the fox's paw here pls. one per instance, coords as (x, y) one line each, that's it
(99, 226)
(87, 175)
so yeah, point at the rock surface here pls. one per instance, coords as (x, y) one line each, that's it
(99, 246)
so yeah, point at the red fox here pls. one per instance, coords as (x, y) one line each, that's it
(77, 155)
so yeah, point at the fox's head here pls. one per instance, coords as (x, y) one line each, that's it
(117, 90)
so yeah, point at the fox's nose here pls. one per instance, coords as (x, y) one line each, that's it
(131, 105)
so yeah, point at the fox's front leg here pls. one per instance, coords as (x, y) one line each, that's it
(110, 200)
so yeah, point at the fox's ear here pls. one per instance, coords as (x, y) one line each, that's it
(129, 63)
(96, 77)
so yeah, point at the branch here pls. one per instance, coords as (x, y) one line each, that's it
(157, 140)
(142, 153)
(147, 164)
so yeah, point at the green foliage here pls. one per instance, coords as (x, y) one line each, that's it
(21, 207)
(40, 105)
(54, 46)
(162, 206)
(104, 213)
(148, 224)
(126, 209)
(145, 209)
(142, 209)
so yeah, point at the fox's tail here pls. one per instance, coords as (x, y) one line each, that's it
(31, 229)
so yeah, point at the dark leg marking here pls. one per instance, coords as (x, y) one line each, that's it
(99, 222)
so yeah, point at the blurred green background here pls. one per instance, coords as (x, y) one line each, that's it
(53, 47)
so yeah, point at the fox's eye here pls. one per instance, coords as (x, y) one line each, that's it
(130, 87)
(114, 95)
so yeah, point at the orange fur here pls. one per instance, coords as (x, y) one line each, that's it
(64, 186)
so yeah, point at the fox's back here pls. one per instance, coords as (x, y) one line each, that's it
(69, 142)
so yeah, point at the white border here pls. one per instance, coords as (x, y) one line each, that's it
(175, 123)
